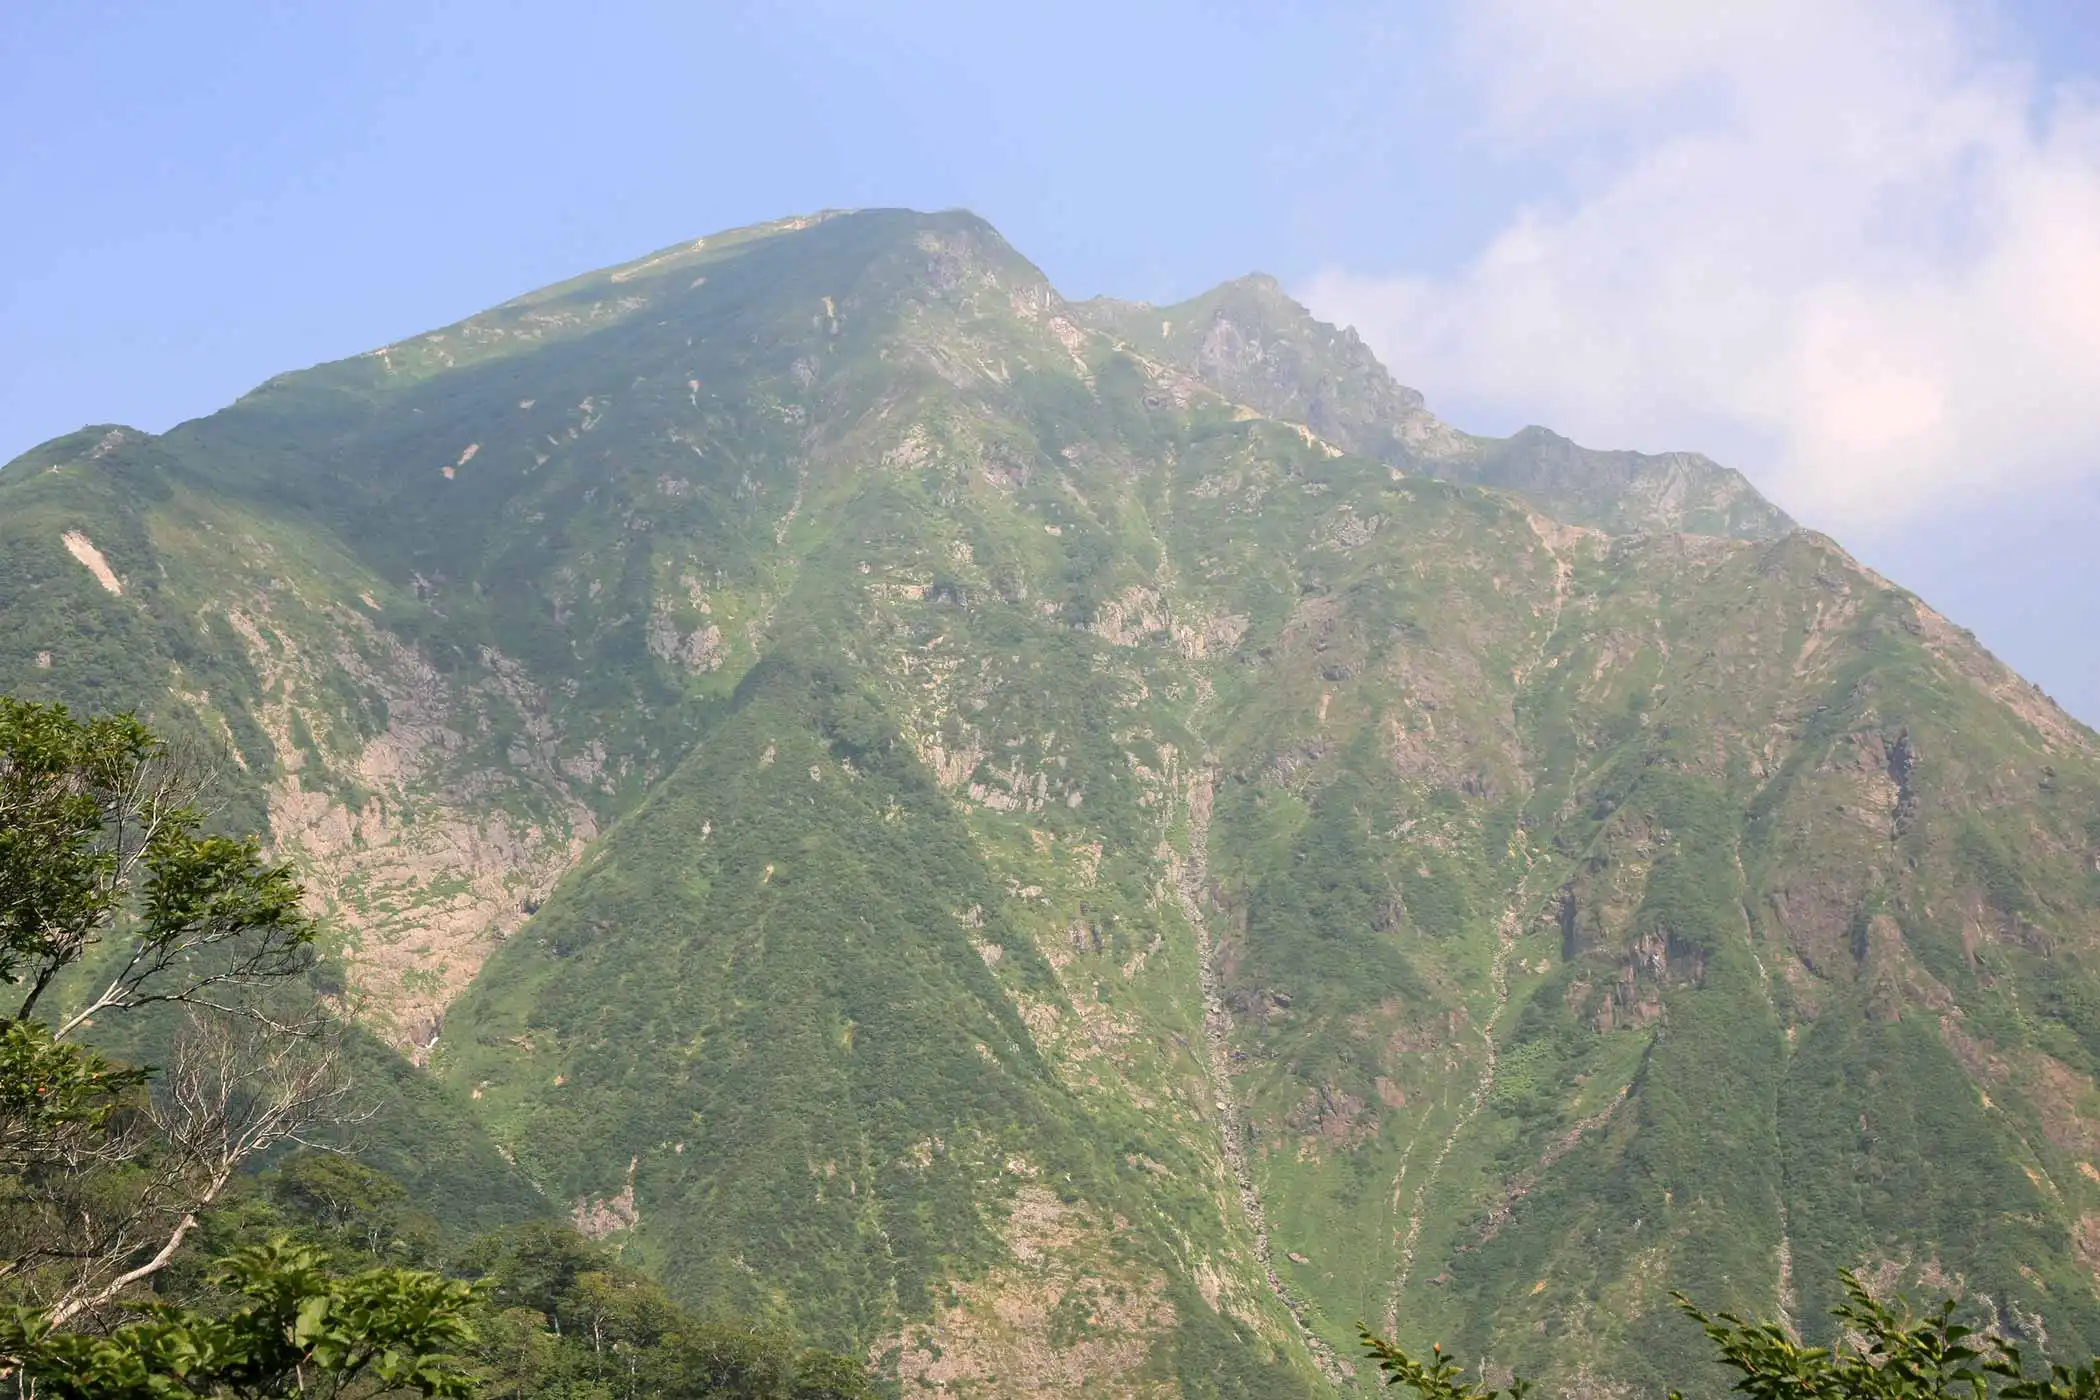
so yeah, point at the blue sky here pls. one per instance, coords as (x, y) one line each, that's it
(1648, 224)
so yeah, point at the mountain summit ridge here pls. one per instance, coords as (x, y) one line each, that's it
(1084, 846)
(1247, 322)
(1251, 340)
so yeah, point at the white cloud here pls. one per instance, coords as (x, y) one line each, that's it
(1844, 243)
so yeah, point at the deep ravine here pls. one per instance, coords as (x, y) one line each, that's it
(1506, 932)
(1498, 980)
(1191, 885)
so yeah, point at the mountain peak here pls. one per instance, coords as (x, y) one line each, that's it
(91, 442)
(1624, 492)
(1260, 284)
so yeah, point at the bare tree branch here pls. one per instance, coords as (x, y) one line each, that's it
(72, 1306)
(235, 1090)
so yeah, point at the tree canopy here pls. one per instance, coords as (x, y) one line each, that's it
(1887, 1350)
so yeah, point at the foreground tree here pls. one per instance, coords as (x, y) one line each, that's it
(298, 1327)
(115, 901)
(1885, 1352)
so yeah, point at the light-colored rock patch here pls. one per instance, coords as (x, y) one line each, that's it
(1066, 1316)
(597, 1219)
(83, 549)
(699, 650)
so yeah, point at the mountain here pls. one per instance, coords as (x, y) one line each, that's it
(1087, 847)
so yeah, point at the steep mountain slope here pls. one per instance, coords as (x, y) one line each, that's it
(106, 603)
(1070, 847)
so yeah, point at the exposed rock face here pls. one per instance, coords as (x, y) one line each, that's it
(602, 1219)
(83, 549)
(1065, 1316)
(422, 858)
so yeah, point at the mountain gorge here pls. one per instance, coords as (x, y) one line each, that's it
(1086, 847)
